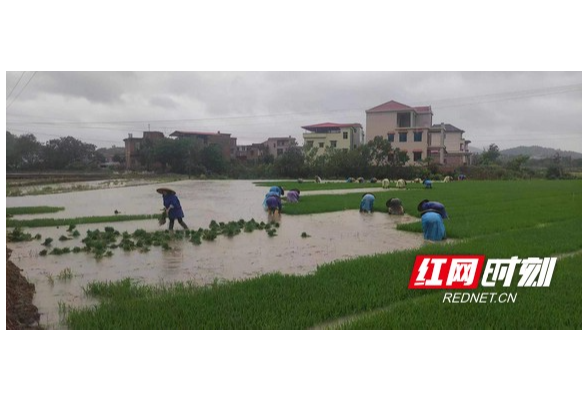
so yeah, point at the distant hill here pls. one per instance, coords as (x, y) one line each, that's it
(538, 152)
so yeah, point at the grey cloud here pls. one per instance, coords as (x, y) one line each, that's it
(163, 102)
(95, 87)
(484, 104)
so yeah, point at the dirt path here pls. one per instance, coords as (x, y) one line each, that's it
(21, 313)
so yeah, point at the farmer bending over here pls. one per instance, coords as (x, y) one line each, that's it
(173, 208)
(367, 203)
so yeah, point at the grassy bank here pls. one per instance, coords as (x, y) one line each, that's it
(308, 186)
(335, 291)
(32, 210)
(42, 222)
(474, 208)
(556, 307)
(497, 219)
(35, 184)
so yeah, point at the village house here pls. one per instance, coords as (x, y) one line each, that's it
(411, 129)
(250, 152)
(333, 135)
(133, 145)
(277, 146)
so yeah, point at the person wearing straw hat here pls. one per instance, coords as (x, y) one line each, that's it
(173, 208)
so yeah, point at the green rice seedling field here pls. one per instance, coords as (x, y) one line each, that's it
(498, 219)
(32, 210)
(308, 186)
(43, 222)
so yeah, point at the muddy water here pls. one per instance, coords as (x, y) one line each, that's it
(33, 189)
(333, 236)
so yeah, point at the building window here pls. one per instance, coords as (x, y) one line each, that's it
(345, 135)
(417, 155)
(402, 137)
(310, 143)
(390, 137)
(418, 136)
(321, 144)
(333, 143)
(403, 120)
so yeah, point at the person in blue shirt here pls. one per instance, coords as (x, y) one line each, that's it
(277, 189)
(173, 208)
(432, 215)
(367, 203)
(428, 184)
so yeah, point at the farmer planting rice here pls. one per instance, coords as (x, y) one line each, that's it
(428, 184)
(432, 215)
(274, 203)
(173, 208)
(395, 207)
(367, 203)
(293, 196)
(277, 191)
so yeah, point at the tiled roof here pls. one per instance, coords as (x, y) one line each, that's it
(423, 109)
(186, 133)
(331, 125)
(390, 106)
(396, 106)
(448, 128)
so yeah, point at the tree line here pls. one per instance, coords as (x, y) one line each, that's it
(491, 164)
(26, 153)
(184, 156)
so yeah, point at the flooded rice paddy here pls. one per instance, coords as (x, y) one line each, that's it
(333, 236)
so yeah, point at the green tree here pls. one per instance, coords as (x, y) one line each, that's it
(146, 154)
(516, 163)
(213, 159)
(12, 158)
(290, 164)
(22, 152)
(490, 156)
(68, 152)
(398, 157)
(118, 157)
(343, 163)
(172, 154)
(379, 150)
(555, 170)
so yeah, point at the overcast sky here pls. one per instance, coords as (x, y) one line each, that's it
(509, 109)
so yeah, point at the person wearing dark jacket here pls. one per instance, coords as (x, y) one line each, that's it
(173, 208)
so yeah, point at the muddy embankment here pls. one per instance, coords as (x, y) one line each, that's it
(21, 313)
